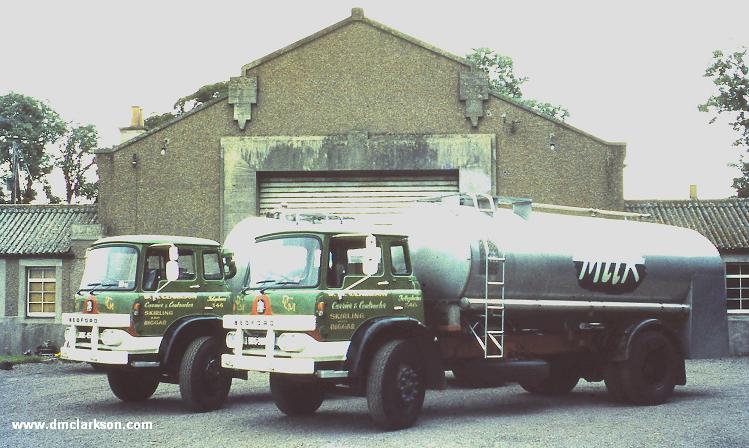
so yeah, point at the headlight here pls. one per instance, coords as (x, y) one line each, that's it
(294, 342)
(232, 341)
(111, 337)
(70, 335)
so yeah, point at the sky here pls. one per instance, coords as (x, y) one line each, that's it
(627, 71)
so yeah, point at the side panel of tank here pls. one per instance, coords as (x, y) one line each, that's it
(556, 257)
(706, 335)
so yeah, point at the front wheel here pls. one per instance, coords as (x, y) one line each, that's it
(295, 396)
(649, 375)
(132, 385)
(203, 383)
(396, 385)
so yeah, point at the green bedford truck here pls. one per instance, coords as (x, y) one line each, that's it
(541, 299)
(149, 310)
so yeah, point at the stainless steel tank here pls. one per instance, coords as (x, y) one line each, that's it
(553, 256)
(561, 263)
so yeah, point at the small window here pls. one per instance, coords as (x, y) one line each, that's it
(212, 266)
(186, 262)
(737, 287)
(41, 288)
(398, 260)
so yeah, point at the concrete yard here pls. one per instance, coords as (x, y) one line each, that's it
(711, 410)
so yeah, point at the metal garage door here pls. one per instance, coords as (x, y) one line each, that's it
(359, 193)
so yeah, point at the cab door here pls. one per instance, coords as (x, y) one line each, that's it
(403, 287)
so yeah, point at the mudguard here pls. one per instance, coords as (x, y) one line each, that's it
(374, 332)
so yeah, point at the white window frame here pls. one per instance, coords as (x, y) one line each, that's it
(44, 280)
(743, 292)
(23, 288)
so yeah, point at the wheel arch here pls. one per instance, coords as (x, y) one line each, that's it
(623, 343)
(179, 335)
(375, 332)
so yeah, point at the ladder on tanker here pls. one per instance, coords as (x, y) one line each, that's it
(490, 331)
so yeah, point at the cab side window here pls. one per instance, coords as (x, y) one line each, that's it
(212, 269)
(345, 259)
(155, 269)
(399, 263)
(186, 262)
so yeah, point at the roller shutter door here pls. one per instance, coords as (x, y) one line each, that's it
(367, 193)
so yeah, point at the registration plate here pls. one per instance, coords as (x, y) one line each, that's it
(254, 340)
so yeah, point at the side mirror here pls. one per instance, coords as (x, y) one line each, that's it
(172, 269)
(173, 253)
(372, 256)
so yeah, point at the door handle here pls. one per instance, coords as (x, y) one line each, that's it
(383, 283)
(194, 286)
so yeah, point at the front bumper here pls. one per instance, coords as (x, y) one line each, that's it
(269, 357)
(93, 349)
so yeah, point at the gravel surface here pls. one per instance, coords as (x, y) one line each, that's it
(712, 410)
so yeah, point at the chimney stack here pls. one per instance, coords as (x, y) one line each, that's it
(137, 125)
(693, 192)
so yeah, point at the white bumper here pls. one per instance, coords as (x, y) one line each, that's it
(96, 350)
(269, 357)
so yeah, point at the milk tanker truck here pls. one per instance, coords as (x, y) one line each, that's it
(496, 296)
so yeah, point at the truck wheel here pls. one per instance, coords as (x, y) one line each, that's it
(563, 377)
(613, 379)
(649, 375)
(132, 385)
(396, 385)
(294, 396)
(203, 383)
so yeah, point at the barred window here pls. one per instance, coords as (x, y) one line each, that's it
(41, 287)
(737, 287)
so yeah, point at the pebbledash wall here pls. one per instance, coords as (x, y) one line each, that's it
(356, 100)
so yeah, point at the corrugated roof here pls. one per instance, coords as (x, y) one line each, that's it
(40, 229)
(725, 222)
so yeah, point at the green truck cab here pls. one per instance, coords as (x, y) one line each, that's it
(149, 310)
(324, 307)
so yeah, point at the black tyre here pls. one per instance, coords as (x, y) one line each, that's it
(132, 385)
(563, 377)
(613, 379)
(294, 396)
(475, 377)
(203, 383)
(649, 375)
(396, 385)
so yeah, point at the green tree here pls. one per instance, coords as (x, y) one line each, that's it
(730, 74)
(188, 103)
(504, 80)
(78, 164)
(34, 125)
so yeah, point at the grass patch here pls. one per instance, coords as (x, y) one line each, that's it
(23, 359)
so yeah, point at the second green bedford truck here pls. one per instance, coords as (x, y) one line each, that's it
(148, 311)
(538, 298)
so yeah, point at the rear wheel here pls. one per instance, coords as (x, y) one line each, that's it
(132, 385)
(563, 377)
(203, 383)
(649, 375)
(396, 385)
(295, 396)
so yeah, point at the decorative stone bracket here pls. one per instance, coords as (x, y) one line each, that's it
(243, 94)
(474, 90)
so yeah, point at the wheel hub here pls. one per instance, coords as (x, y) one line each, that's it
(408, 384)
